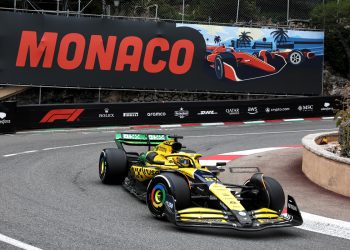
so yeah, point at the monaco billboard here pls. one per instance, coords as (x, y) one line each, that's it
(45, 50)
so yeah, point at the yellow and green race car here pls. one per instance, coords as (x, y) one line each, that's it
(174, 185)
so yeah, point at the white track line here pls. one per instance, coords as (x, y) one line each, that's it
(60, 147)
(171, 126)
(324, 225)
(327, 118)
(255, 151)
(77, 145)
(17, 243)
(294, 120)
(254, 122)
(21, 153)
(213, 124)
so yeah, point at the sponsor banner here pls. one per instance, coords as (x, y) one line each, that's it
(7, 117)
(48, 50)
(81, 115)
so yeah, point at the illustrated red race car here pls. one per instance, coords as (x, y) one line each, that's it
(294, 57)
(239, 66)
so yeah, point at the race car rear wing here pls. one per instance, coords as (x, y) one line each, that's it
(139, 139)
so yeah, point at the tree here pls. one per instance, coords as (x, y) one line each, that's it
(334, 17)
(280, 35)
(244, 39)
(217, 39)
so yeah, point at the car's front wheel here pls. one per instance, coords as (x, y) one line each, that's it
(269, 194)
(163, 184)
(222, 58)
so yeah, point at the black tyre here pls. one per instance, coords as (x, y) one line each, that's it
(167, 183)
(113, 166)
(222, 58)
(268, 57)
(296, 58)
(270, 195)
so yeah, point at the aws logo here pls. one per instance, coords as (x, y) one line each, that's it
(252, 110)
(69, 115)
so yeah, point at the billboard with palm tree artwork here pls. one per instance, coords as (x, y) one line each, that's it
(269, 57)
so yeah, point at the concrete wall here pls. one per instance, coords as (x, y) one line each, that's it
(324, 168)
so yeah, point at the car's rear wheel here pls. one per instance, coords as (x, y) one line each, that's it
(163, 184)
(113, 166)
(296, 58)
(270, 194)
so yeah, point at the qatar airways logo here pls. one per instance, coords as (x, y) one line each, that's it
(104, 53)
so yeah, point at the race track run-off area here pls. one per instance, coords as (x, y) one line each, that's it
(51, 196)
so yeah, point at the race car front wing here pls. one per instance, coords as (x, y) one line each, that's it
(260, 219)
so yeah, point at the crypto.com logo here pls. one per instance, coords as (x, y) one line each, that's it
(70, 115)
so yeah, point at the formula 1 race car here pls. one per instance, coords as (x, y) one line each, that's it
(294, 57)
(239, 66)
(175, 186)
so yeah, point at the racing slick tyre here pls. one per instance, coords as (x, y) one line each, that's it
(113, 166)
(270, 194)
(163, 184)
(296, 58)
(222, 58)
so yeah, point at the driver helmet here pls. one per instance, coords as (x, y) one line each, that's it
(184, 162)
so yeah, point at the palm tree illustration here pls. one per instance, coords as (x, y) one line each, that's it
(244, 39)
(217, 39)
(280, 35)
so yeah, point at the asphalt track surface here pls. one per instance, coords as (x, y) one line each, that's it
(51, 196)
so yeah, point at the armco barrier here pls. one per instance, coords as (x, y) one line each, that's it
(86, 115)
(7, 117)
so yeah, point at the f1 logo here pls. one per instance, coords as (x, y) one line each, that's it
(70, 115)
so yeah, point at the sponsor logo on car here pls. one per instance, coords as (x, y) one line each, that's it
(131, 114)
(306, 108)
(69, 115)
(232, 111)
(2, 119)
(252, 110)
(157, 137)
(169, 204)
(133, 136)
(156, 114)
(106, 114)
(327, 107)
(291, 206)
(207, 112)
(181, 113)
(270, 110)
(241, 213)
